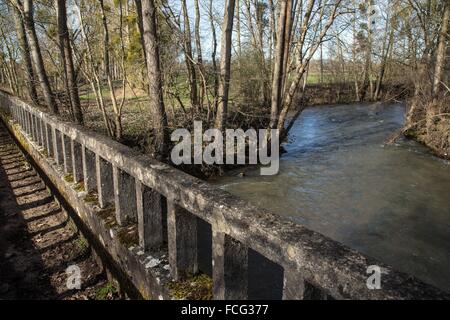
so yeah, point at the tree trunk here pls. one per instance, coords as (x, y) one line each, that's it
(238, 31)
(385, 54)
(67, 60)
(192, 74)
(138, 4)
(25, 53)
(156, 103)
(225, 63)
(279, 67)
(440, 54)
(302, 65)
(214, 57)
(91, 73)
(37, 56)
(198, 45)
(107, 62)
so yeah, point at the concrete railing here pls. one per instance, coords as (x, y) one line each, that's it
(144, 192)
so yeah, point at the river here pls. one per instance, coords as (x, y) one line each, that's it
(391, 202)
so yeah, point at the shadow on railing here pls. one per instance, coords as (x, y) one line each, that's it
(166, 204)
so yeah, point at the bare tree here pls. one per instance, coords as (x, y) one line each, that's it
(198, 45)
(214, 57)
(386, 49)
(117, 106)
(25, 53)
(91, 73)
(225, 63)
(441, 50)
(27, 14)
(67, 61)
(281, 59)
(192, 73)
(9, 62)
(302, 63)
(156, 102)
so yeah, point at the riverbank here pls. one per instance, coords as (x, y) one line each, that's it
(429, 124)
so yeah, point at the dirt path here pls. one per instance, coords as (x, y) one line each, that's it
(37, 240)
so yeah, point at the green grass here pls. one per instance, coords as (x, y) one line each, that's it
(106, 291)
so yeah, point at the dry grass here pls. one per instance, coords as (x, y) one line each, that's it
(429, 123)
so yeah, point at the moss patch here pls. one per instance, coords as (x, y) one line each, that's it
(79, 187)
(82, 243)
(198, 287)
(69, 178)
(92, 197)
(106, 292)
(129, 236)
(108, 215)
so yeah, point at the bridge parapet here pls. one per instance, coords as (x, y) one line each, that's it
(163, 206)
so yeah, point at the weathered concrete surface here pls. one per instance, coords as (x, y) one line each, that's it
(38, 241)
(320, 263)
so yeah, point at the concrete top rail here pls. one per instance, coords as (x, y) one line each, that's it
(307, 257)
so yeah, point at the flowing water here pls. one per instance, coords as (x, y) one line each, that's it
(338, 177)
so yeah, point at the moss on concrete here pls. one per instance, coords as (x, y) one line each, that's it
(199, 287)
(92, 197)
(79, 187)
(108, 216)
(129, 236)
(69, 178)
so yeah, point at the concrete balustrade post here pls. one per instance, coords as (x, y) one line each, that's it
(29, 123)
(38, 131)
(105, 184)
(124, 197)
(150, 206)
(77, 161)
(296, 288)
(89, 170)
(230, 268)
(67, 154)
(42, 140)
(16, 113)
(58, 149)
(22, 119)
(25, 121)
(293, 286)
(19, 114)
(182, 239)
(49, 139)
(12, 110)
(33, 127)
